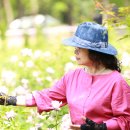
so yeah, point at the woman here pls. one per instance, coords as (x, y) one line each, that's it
(97, 95)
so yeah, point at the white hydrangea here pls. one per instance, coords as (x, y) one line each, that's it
(56, 105)
(66, 121)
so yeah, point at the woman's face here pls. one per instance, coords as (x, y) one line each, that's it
(82, 58)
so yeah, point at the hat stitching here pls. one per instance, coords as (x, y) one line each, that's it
(88, 43)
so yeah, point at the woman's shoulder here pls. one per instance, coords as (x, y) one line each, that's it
(75, 72)
(120, 81)
(118, 76)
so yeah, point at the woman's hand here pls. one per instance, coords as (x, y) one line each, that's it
(2, 98)
(7, 100)
(90, 125)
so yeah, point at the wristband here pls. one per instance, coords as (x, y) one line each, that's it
(11, 100)
(84, 127)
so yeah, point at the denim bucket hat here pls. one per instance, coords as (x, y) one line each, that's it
(91, 36)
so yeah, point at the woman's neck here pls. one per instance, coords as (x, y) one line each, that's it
(97, 71)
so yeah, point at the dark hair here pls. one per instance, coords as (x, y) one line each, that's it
(109, 61)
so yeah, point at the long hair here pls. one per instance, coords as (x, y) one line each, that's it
(108, 61)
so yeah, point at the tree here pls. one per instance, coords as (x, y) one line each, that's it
(8, 11)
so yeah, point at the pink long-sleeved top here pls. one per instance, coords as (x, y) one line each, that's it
(101, 98)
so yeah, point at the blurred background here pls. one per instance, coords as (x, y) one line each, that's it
(24, 18)
(32, 56)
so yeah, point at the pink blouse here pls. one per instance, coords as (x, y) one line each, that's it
(101, 98)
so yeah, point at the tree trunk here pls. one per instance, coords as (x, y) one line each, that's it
(34, 6)
(68, 14)
(8, 11)
(20, 8)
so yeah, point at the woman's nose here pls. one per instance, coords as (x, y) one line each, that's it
(76, 51)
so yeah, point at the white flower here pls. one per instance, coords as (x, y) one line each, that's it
(39, 80)
(36, 73)
(49, 78)
(8, 76)
(25, 81)
(50, 129)
(125, 59)
(51, 118)
(33, 112)
(56, 105)
(20, 64)
(50, 70)
(29, 64)
(14, 58)
(41, 116)
(32, 128)
(37, 54)
(37, 127)
(10, 114)
(68, 66)
(66, 121)
(126, 74)
(4, 89)
(20, 90)
(29, 119)
(47, 54)
(26, 52)
(6, 122)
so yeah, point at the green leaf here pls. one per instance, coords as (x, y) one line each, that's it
(51, 126)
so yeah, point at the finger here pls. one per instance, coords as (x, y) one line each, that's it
(84, 118)
(87, 120)
(74, 126)
(74, 129)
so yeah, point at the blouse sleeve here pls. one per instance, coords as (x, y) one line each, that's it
(121, 107)
(42, 99)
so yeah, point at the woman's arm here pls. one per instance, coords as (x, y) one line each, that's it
(120, 106)
(42, 99)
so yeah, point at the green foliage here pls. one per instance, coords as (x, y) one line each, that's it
(41, 65)
(59, 8)
(116, 17)
(118, 2)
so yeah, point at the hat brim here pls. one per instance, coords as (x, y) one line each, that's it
(109, 50)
